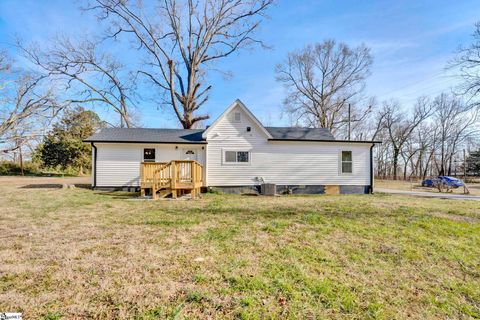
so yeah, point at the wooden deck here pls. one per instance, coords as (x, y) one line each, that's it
(176, 177)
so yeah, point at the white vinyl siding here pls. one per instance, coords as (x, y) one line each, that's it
(118, 164)
(280, 162)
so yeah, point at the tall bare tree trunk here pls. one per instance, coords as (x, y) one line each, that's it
(396, 153)
(21, 159)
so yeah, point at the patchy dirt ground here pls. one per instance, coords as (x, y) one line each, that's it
(43, 181)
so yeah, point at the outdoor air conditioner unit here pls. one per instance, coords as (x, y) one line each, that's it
(268, 189)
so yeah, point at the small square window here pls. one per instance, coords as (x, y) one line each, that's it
(149, 155)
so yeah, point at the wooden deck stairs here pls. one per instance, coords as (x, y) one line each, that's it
(175, 178)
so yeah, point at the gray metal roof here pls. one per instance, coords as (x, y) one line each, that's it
(139, 135)
(293, 133)
(130, 135)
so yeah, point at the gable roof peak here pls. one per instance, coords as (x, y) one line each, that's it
(237, 103)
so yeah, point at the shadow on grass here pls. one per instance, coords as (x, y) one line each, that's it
(118, 194)
(83, 186)
(55, 186)
(42, 186)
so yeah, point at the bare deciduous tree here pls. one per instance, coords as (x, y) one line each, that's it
(321, 80)
(400, 128)
(25, 104)
(468, 63)
(181, 40)
(29, 99)
(427, 139)
(90, 76)
(455, 121)
(4, 61)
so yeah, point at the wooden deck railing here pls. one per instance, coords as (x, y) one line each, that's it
(174, 176)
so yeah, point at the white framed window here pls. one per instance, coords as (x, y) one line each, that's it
(149, 155)
(236, 157)
(237, 117)
(346, 162)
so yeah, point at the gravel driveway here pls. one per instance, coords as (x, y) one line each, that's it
(429, 194)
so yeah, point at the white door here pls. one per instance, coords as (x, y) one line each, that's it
(186, 168)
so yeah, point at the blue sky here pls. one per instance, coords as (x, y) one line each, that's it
(411, 42)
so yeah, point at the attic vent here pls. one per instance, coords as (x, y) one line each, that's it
(237, 117)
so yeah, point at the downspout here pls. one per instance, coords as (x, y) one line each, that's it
(371, 169)
(94, 166)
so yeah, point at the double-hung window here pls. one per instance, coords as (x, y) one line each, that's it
(346, 162)
(236, 156)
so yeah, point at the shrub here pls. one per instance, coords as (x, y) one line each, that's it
(10, 168)
(32, 168)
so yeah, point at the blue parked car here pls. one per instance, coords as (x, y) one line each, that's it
(430, 183)
(449, 182)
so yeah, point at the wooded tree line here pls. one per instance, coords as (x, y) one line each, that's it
(428, 142)
(178, 43)
(325, 84)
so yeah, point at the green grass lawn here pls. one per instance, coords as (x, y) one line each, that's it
(84, 254)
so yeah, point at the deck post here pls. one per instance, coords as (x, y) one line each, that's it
(142, 177)
(173, 178)
(154, 185)
(193, 170)
(154, 192)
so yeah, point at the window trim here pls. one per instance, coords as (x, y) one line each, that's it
(341, 162)
(154, 154)
(236, 163)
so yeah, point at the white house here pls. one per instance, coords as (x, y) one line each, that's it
(238, 152)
